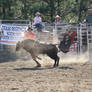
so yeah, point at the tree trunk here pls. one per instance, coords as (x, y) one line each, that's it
(58, 6)
(3, 9)
(52, 10)
(25, 10)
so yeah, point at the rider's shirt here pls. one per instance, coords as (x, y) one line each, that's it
(29, 35)
(37, 20)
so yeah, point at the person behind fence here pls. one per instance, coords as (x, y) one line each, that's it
(89, 16)
(29, 34)
(67, 41)
(37, 21)
(57, 20)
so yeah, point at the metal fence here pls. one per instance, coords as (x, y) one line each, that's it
(53, 34)
(83, 43)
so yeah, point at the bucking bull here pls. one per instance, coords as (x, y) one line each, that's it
(35, 48)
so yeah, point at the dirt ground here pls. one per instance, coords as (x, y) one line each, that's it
(23, 76)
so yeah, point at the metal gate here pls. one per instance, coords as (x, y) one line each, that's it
(82, 45)
(85, 42)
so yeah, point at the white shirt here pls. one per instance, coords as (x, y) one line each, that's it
(37, 20)
(57, 22)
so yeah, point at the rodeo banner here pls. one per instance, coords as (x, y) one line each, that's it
(12, 33)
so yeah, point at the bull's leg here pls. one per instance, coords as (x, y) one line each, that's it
(38, 64)
(39, 58)
(55, 63)
(56, 59)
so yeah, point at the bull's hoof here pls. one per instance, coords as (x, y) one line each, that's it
(38, 65)
(55, 66)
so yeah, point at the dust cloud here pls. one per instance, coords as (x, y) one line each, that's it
(64, 59)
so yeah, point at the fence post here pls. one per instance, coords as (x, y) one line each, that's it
(88, 41)
(55, 37)
(1, 46)
(80, 39)
(0, 32)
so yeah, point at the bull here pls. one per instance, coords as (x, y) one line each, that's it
(35, 48)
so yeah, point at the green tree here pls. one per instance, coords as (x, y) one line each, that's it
(69, 10)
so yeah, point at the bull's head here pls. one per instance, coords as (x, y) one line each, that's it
(18, 46)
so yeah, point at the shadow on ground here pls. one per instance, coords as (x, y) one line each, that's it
(42, 68)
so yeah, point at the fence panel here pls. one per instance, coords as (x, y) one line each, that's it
(52, 34)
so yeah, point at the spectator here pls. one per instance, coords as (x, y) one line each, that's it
(89, 16)
(57, 20)
(29, 34)
(37, 21)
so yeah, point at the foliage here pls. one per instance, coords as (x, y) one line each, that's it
(69, 10)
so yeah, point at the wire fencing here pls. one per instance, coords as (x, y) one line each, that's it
(51, 33)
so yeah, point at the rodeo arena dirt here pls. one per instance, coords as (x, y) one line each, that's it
(18, 71)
